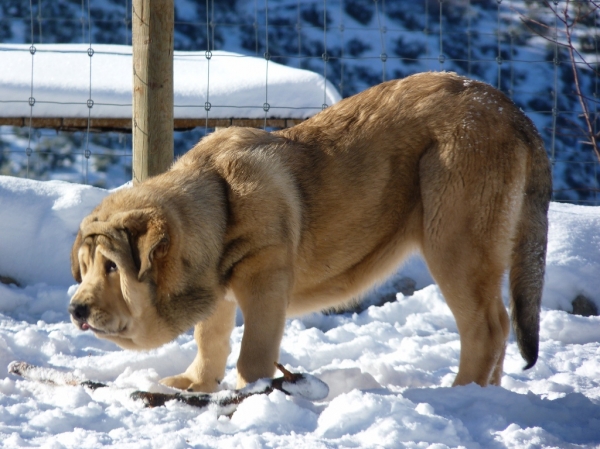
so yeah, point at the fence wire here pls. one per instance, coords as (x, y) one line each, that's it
(515, 45)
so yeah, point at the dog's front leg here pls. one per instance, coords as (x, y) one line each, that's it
(212, 337)
(263, 301)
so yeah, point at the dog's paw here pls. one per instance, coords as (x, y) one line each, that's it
(183, 382)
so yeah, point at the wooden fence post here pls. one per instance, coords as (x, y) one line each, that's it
(152, 127)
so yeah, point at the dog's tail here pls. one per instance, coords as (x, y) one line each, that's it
(529, 253)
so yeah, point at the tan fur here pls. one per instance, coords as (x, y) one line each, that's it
(310, 217)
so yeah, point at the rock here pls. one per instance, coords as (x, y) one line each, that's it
(8, 280)
(404, 285)
(584, 306)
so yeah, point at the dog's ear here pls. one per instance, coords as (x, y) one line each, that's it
(75, 268)
(148, 236)
(89, 226)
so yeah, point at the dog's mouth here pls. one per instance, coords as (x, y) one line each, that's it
(85, 326)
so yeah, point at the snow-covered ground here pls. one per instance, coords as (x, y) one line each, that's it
(61, 78)
(389, 367)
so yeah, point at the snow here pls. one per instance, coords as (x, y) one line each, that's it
(389, 367)
(63, 77)
(51, 211)
(307, 387)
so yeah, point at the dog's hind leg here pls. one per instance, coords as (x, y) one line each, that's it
(496, 377)
(467, 240)
(212, 337)
(473, 292)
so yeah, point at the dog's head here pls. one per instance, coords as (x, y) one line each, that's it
(129, 292)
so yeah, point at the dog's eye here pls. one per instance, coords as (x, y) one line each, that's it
(110, 266)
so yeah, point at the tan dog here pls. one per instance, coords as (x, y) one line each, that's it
(310, 217)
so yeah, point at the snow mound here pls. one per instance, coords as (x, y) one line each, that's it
(229, 85)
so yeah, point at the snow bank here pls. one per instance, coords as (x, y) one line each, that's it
(39, 224)
(573, 265)
(65, 77)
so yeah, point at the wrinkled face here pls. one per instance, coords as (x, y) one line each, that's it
(112, 300)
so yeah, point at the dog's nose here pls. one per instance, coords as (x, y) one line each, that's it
(80, 312)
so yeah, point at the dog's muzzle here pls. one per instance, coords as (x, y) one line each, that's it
(80, 314)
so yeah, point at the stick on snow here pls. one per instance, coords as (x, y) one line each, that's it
(294, 384)
(50, 376)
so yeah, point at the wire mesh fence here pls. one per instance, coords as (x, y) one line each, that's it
(518, 46)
